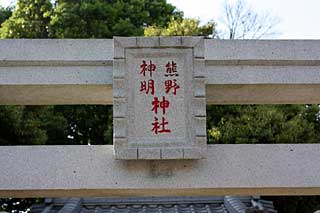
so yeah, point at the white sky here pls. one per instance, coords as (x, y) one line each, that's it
(299, 19)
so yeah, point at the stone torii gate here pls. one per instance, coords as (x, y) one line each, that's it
(167, 81)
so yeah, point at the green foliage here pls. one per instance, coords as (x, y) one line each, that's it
(20, 125)
(87, 124)
(182, 27)
(5, 13)
(295, 204)
(105, 19)
(31, 125)
(13, 204)
(30, 19)
(262, 124)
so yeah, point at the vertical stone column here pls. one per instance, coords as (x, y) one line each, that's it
(159, 106)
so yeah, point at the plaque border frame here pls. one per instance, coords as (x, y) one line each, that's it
(125, 151)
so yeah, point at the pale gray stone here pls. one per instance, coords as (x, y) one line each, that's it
(304, 51)
(58, 50)
(148, 41)
(197, 43)
(118, 68)
(200, 106)
(199, 68)
(119, 127)
(119, 107)
(93, 171)
(126, 154)
(190, 41)
(193, 153)
(175, 125)
(118, 50)
(200, 126)
(120, 43)
(248, 72)
(120, 143)
(201, 141)
(170, 41)
(119, 88)
(200, 87)
(124, 42)
(172, 153)
(149, 153)
(140, 111)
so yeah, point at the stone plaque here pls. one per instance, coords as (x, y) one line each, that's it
(159, 98)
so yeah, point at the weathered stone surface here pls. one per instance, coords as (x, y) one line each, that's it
(92, 171)
(199, 87)
(119, 88)
(169, 41)
(118, 68)
(237, 72)
(148, 41)
(172, 153)
(126, 153)
(149, 153)
(119, 127)
(120, 104)
(160, 88)
(200, 106)
(194, 153)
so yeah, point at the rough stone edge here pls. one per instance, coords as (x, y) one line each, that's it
(121, 106)
(148, 41)
(171, 153)
(199, 87)
(125, 153)
(197, 43)
(199, 101)
(119, 45)
(199, 104)
(199, 68)
(121, 148)
(149, 153)
(195, 153)
(170, 41)
(118, 68)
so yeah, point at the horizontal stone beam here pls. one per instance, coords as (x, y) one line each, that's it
(41, 72)
(84, 171)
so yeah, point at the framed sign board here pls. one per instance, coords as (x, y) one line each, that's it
(159, 98)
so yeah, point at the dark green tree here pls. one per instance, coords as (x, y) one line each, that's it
(30, 19)
(94, 19)
(31, 125)
(262, 124)
(102, 19)
(105, 19)
(25, 125)
(5, 13)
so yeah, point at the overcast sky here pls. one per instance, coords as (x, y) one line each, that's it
(299, 19)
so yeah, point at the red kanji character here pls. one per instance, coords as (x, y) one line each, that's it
(145, 67)
(171, 69)
(169, 84)
(162, 104)
(147, 88)
(156, 126)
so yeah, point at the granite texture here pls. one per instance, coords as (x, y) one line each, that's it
(135, 91)
(87, 171)
(237, 72)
